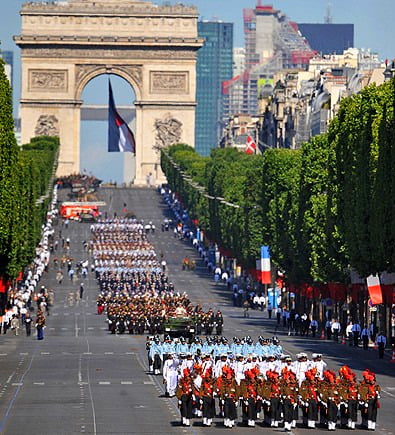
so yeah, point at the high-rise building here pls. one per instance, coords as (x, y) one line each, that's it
(8, 57)
(214, 65)
(272, 43)
(239, 60)
(328, 38)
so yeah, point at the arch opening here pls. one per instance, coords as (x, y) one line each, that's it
(94, 158)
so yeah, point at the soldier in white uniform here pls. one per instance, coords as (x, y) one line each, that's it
(170, 374)
(319, 364)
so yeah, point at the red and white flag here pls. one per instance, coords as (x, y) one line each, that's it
(250, 145)
(374, 288)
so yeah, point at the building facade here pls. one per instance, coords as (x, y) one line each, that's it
(214, 66)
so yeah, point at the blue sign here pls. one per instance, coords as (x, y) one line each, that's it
(272, 297)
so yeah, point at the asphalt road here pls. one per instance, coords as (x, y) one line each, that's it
(81, 379)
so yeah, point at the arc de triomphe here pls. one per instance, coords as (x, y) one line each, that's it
(65, 44)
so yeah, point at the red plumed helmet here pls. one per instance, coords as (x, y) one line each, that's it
(330, 376)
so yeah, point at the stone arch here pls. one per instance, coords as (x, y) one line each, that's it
(64, 45)
(86, 72)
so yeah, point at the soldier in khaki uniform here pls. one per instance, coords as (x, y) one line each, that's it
(329, 398)
(348, 395)
(289, 396)
(308, 398)
(248, 395)
(206, 393)
(228, 392)
(368, 395)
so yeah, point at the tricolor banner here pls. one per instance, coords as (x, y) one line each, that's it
(250, 146)
(266, 277)
(120, 137)
(374, 289)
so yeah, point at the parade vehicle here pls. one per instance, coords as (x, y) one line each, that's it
(87, 217)
(180, 325)
(73, 209)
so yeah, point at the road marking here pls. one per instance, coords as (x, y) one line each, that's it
(66, 314)
(64, 329)
(38, 383)
(108, 353)
(126, 383)
(130, 353)
(91, 328)
(52, 329)
(17, 384)
(45, 353)
(88, 314)
(66, 353)
(148, 383)
(3, 354)
(23, 353)
(87, 353)
(104, 383)
(55, 314)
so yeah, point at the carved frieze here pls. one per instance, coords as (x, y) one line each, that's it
(94, 53)
(52, 80)
(165, 82)
(47, 125)
(168, 132)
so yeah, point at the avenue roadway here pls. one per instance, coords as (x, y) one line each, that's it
(81, 379)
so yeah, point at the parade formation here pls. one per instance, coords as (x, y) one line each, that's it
(216, 378)
(209, 375)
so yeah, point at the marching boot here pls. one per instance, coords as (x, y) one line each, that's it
(226, 422)
(369, 424)
(349, 423)
(151, 368)
(232, 423)
(373, 426)
(253, 423)
(209, 421)
(187, 422)
(352, 425)
(293, 423)
(204, 421)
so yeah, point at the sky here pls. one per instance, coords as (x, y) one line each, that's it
(373, 26)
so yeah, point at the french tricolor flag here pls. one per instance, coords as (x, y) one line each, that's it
(266, 276)
(120, 137)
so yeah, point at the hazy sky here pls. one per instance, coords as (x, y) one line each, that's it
(374, 23)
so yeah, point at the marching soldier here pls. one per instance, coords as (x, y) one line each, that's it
(207, 391)
(184, 395)
(308, 398)
(329, 398)
(368, 395)
(289, 395)
(263, 397)
(227, 390)
(275, 395)
(248, 395)
(348, 395)
(156, 355)
(170, 375)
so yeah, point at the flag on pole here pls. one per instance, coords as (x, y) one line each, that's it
(120, 137)
(250, 145)
(266, 276)
(374, 289)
